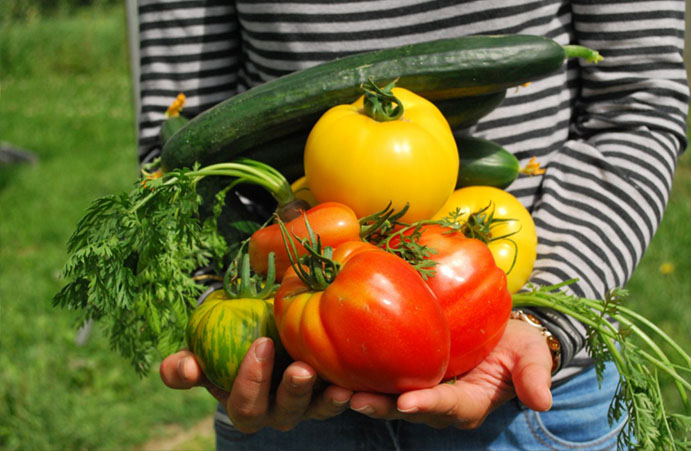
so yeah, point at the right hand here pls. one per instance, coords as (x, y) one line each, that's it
(249, 404)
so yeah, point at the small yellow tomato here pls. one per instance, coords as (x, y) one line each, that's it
(303, 192)
(516, 253)
(356, 160)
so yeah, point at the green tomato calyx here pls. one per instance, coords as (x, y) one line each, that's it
(316, 269)
(243, 285)
(380, 103)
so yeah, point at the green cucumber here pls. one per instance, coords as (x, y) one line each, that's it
(437, 70)
(286, 154)
(173, 121)
(170, 126)
(486, 163)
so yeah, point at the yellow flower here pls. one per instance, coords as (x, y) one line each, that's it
(175, 107)
(667, 268)
(532, 168)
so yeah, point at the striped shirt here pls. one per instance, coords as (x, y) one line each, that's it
(608, 135)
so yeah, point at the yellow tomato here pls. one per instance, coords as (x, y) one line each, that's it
(365, 164)
(521, 245)
(303, 192)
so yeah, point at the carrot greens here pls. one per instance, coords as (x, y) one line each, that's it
(132, 256)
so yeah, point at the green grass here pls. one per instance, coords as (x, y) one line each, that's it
(66, 96)
(658, 294)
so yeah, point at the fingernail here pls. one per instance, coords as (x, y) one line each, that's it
(367, 410)
(339, 403)
(182, 368)
(299, 381)
(262, 351)
(411, 410)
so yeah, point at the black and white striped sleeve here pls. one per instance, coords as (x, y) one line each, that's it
(188, 46)
(605, 191)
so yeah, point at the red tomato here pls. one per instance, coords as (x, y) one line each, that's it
(332, 221)
(377, 327)
(473, 293)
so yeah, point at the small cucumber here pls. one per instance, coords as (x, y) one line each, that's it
(483, 162)
(171, 125)
(437, 70)
(173, 121)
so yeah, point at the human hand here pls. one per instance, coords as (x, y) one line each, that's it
(250, 404)
(520, 365)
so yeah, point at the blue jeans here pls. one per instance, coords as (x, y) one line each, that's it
(577, 420)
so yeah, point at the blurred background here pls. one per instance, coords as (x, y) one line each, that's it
(67, 131)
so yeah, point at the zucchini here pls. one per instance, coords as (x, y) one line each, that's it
(436, 70)
(286, 153)
(484, 162)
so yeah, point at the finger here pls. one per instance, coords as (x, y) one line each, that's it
(375, 405)
(293, 396)
(248, 402)
(180, 370)
(458, 404)
(333, 401)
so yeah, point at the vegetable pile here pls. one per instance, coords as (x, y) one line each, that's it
(393, 261)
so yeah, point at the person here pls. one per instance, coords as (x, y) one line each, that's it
(607, 135)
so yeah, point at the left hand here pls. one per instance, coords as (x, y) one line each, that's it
(520, 365)
(251, 404)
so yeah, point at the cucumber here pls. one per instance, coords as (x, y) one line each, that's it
(173, 121)
(286, 153)
(484, 162)
(436, 70)
(171, 125)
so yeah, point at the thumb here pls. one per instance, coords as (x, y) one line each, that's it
(532, 375)
(181, 370)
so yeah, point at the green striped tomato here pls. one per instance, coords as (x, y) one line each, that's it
(221, 330)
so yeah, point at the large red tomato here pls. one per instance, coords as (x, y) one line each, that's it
(377, 327)
(471, 290)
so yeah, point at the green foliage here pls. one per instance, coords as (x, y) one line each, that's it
(33, 10)
(660, 288)
(78, 120)
(130, 262)
(79, 45)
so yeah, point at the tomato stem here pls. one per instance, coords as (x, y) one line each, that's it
(244, 284)
(381, 223)
(317, 269)
(480, 225)
(408, 247)
(579, 51)
(380, 103)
